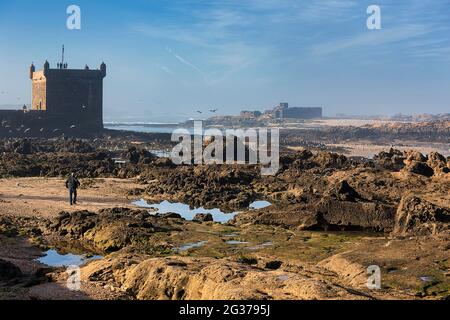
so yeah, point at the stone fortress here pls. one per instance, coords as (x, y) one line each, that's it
(283, 111)
(64, 101)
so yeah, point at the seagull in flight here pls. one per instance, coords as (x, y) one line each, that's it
(213, 110)
(198, 111)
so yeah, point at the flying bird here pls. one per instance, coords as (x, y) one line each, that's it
(72, 126)
(41, 130)
(213, 110)
(27, 130)
(54, 130)
(198, 111)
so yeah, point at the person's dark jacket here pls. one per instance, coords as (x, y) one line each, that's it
(72, 183)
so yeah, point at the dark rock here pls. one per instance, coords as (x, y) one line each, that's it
(9, 270)
(419, 168)
(344, 192)
(203, 217)
(163, 162)
(171, 215)
(348, 215)
(247, 260)
(273, 265)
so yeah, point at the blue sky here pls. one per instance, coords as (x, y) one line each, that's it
(167, 59)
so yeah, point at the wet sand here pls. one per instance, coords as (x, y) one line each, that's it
(46, 197)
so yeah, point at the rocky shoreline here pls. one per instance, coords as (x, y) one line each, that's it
(331, 217)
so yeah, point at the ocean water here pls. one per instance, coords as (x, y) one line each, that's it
(143, 128)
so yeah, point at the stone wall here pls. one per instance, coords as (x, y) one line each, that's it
(301, 113)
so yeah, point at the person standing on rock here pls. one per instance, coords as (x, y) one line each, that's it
(72, 184)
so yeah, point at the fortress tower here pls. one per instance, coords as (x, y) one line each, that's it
(69, 97)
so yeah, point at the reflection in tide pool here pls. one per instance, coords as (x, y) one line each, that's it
(261, 246)
(259, 204)
(161, 153)
(187, 213)
(236, 242)
(192, 245)
(54, 259)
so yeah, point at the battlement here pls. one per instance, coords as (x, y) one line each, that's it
(71, 93)
(64, 101)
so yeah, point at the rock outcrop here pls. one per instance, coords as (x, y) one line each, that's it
(110, 229)
(416, 216)
(203, 217)
(175, 278)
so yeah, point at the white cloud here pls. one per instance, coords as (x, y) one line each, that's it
(370, 38)
(165, 69)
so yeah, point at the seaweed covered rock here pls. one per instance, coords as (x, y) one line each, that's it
(110, 229)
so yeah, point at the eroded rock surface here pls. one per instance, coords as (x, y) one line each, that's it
(416, 216)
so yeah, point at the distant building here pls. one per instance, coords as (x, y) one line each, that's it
(283, 111)
(63, 100)
(250, 114)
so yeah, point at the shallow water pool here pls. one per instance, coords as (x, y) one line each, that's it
(54, 259)
(187, 213)
(192, 245)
